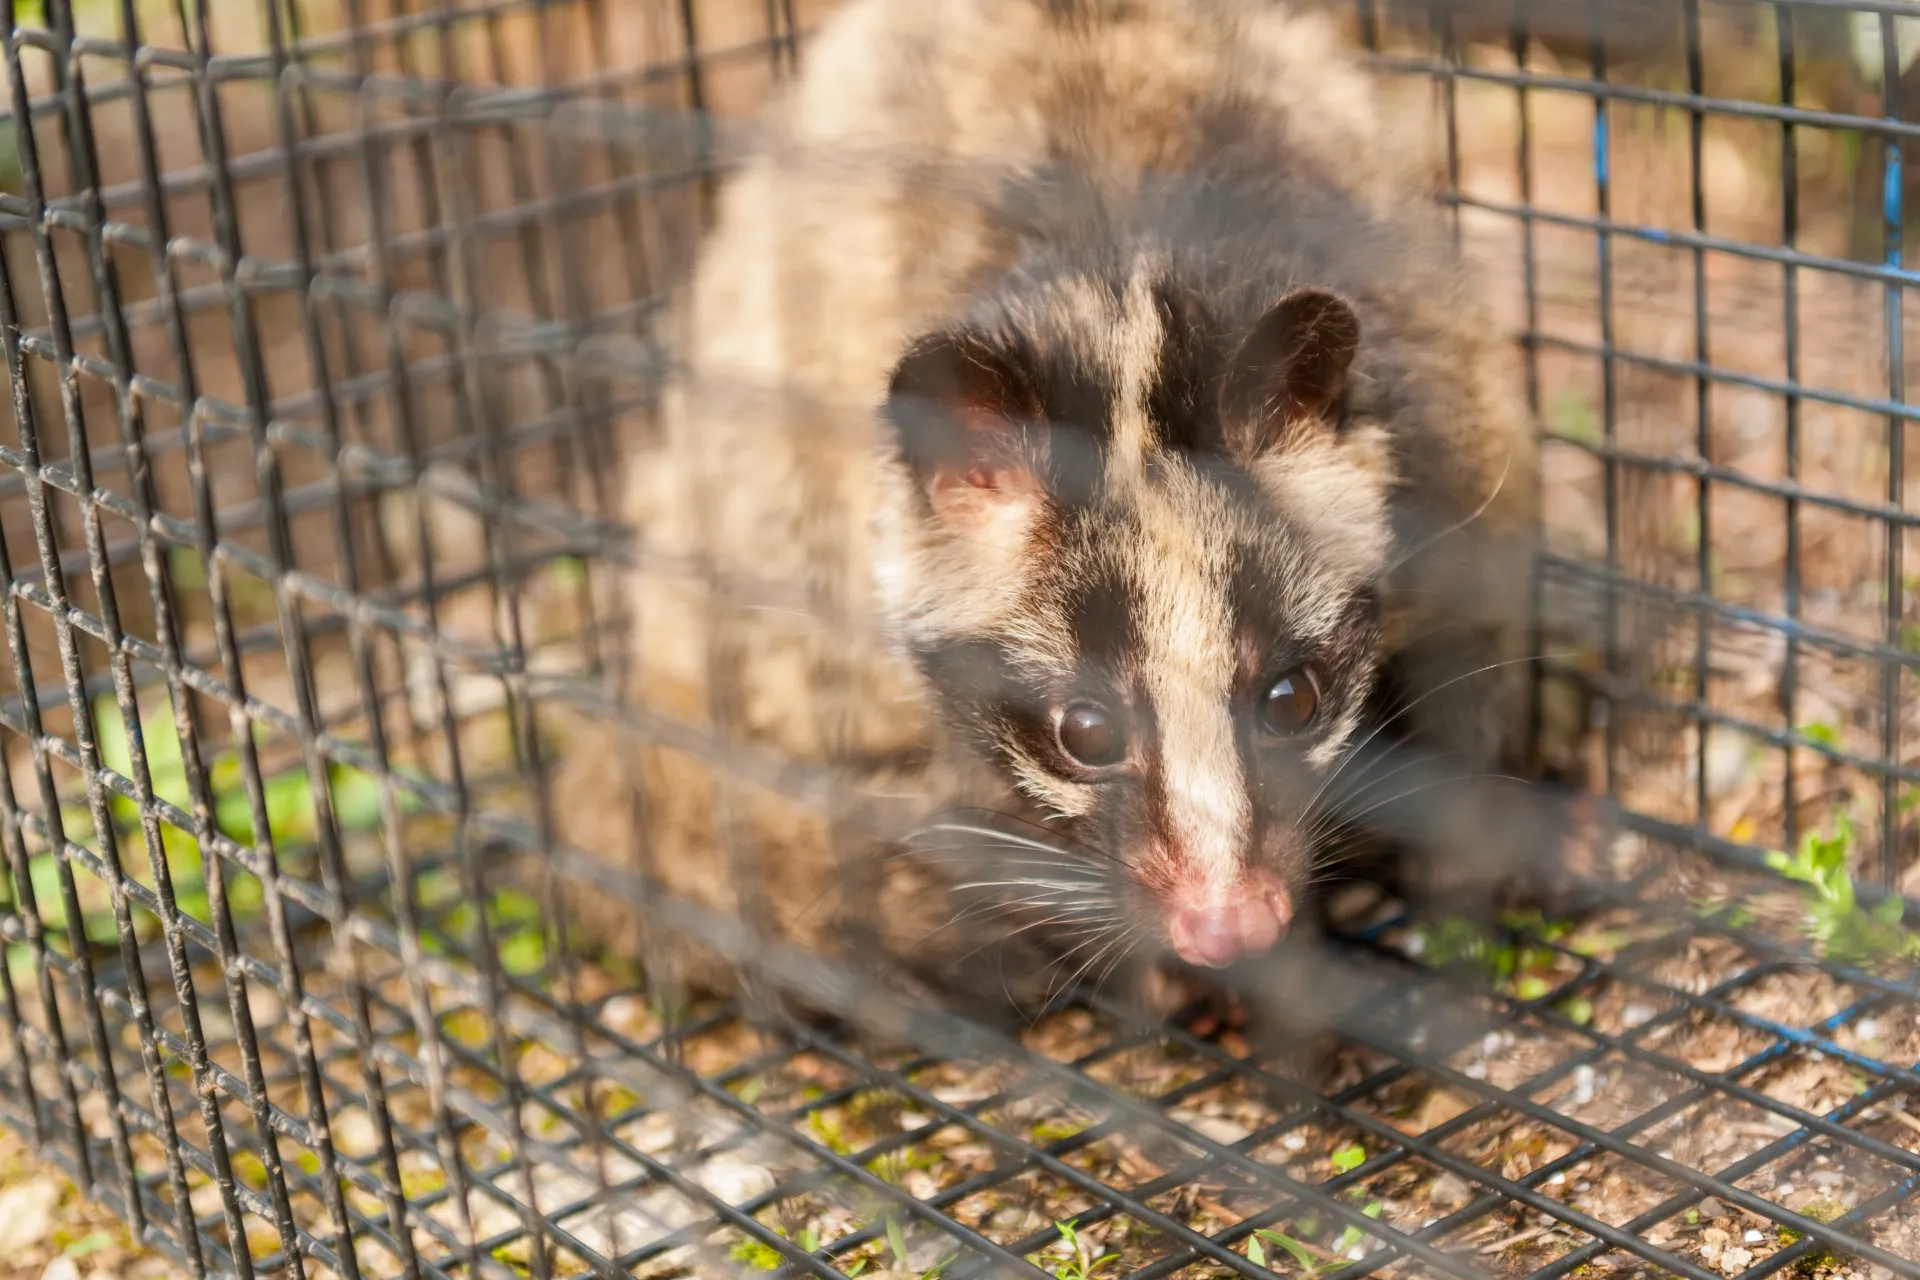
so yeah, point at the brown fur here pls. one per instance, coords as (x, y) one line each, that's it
(861, 220)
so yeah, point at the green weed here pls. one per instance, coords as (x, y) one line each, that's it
(757, 1254)
(287, 799)
(1083, 1265)
(1823, 733)
(1835, 920)
(830, 1132)
(1310, 1262)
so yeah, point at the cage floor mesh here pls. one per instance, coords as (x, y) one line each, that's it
(322, 324)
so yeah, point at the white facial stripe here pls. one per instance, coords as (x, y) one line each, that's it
(1137, 337)
(1180, 586)
(1044, 786)
(1328, 749)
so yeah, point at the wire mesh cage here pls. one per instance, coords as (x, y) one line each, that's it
(327, 328)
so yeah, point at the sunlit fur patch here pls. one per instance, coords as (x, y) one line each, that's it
(1337, 490)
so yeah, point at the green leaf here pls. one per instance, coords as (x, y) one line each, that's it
(245, 896)
(1256, 1253)
(92, 1242)
(758, 1255)
(1299, 1251)
(356, 799)
(1348, 1158)
(110, 733)
(897, 1241)
(290, 816)
(516, 906)
(232, 814)
(44, 872)
(523, 953)
(1823, 733)
(568, 572)
(1578, 1010)
(186, 568)
(1354, 1235)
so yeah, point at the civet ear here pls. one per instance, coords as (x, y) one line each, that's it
(965, 418)
(1290, 371)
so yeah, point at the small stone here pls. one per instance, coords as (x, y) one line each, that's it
(1867, 1028)
(1557, 1179)
(1491, 1043)
(1219, 1129)
(1734, 1261)
(1295, 1141)
(1015, 1219)
(1728, 754)
(1585, 1082)
(355, 1135)
(1827, 1179)
(1583, 1186)
(1475, 1071)
(1782, 1191)
(623, 1013)
(1635, 1014)
(734, 1181)
(1753, 1236)
(1712, 1208)
(26, 1213)
(61, 1268)
(1449, 1191)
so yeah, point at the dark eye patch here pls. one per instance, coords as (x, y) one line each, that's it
(1268, 647)
(1099, 608)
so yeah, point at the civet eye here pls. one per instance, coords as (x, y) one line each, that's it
(1290, 704)
(1091, 735)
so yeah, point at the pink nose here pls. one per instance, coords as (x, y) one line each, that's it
(1216, 936)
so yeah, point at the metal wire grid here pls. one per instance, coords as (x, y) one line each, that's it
(371, 1069)
(1693, 249)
